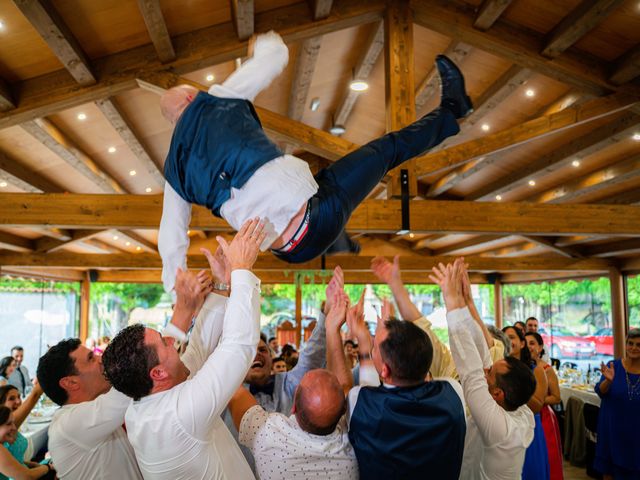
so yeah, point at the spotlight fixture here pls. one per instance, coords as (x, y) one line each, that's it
(148, 189)
(532, 183)
(211, 77)
(3, 184)
(530, 93)
(636, 137)
(82, 116)
(132, 173)
(111, 149)
(337, 130)
(411, 235)
(127, 243)
(115, 237)
(315, 104)
(485, 127)
(576, 163)
(498, 197)
(358, 85)
(138, 248)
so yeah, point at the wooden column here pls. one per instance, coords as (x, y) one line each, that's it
(618, 311)
(298, 315)
(497, 302)
(399, 81)
(85, 290)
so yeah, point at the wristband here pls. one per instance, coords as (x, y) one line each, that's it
(364, 356)
(221, 287)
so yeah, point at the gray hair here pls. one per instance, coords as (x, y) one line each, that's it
(500, 335)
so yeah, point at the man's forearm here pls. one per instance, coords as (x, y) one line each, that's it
(408, 311)
(336, 359)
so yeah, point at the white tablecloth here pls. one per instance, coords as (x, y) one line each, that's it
(587, 396)
(36, 429)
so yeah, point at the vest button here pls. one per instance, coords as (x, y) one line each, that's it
(223, 176)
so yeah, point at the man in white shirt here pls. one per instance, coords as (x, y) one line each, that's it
(174, 423)
(86, 436)
(221, 158)
(501, 426)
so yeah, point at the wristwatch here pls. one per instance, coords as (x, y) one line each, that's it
(221, 287)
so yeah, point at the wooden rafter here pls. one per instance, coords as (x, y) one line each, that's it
(549, 244)
(117, 119)
(489, 12)
(468, 246)
(587, 15)
(621, 247)
(562, 156)
(516, 45)
(157, 28)
(304, 68)
(139, 241)
(363, 68)
(242, 12)
(100, 211)
(629, 197)
(522, 250)
(49, 245)
(627, 67)
(15, 173)
(321, 8)
(6, 97)
(16, 243)
(46, 20)
(120, 72)
(522, 133)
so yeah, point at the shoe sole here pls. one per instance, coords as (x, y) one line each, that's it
(464, 87)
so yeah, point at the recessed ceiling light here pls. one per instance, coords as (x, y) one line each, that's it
(111, 150)
(188, 232)
(532, 183)
(411, 235)
(530, 93)
(127, 243)
(82, 116)
(211, 77)
(315, 104)
(138, 248)
(498, 197)
(3, 184)
(115, 237)
(337, 130)
(485, 127)
(576, 163)
(358, 85)
(1, 25)
(636, 137)
(132, 173)
(148, 189)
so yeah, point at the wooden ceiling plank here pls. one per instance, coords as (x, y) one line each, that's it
(368, 59)
(269, 262)
(118, 121)
(522, 133)
(461, 248)
(140, 241)
(515, 251)
(582, 19)
(156, 26)
(120, 72)
(627, 67)
(16, 242)
(16, 174)
(489, 12)
(45, 19)
(48, 244)
(103, 211)
(514, 44)
(321, 8)
(562, 156)
(628, 197)
(242, 14)
(614, 249)
(304, 68)
(451, 179)
(550, 245)
(55, 140)
(54, 274)
(6, 97)
(430, 85)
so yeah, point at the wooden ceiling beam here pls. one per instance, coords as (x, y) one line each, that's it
(269, 262)
(50, 93)
(55, 140)
(320, 8)
(468, 247)
(628, 197)
(157, 28)
(582, 19)
(140, 241)
(304, 68)
(516, 45)
(101, 211)
(15, 173)
(48, 244)
(489, 12)
(242, 15)
(560, 157)
(522, 250)
(6, 97)
(627, 67)
(49, 24)
(549, 244)
(368, 59)
(522, 133)
(430, 85)
(118, 121)
(53, 274)
(16, 242)
(622, 247)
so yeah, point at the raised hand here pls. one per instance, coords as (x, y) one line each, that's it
(335, 284)
(243, 250)
(220, 268)
(449, 278)
(355, 320)
(337, 314)
(386, 271)
(608, 371)
(191, 289)
(387, 311)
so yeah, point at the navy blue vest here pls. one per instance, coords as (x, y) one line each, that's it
(408, 432)
(217, 144)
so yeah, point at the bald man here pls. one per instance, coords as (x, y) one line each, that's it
(311, 443)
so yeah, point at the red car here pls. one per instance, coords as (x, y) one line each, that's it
(603, 339)
(561, 343)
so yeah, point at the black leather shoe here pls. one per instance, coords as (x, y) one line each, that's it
(343, 244)
(454, 96)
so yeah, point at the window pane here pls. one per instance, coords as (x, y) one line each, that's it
(633, 294)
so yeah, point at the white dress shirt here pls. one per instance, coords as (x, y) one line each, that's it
(282, 450)
(178, 433)
(496, 439)
(275, 192)
(86, 440)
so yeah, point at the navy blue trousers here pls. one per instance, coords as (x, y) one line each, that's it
(347, 182)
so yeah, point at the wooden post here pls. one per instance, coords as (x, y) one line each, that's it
(399, 81)
(298, 315)
(85, 290)
(618, 311)
(497, 301)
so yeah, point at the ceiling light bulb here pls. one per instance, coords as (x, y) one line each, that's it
(148, 189)
(636, 137)
(498, 197)
(337, 130)
(315, 104)
(82, 116)
(127, 243)
(3, 184)
(188, 232)
(411, 235)
(1, 25)
(532, 183)
(132, 173)
(211, 77)
(530, 93)
(576, 163)
(115, 237)
(485, 127)
(112, 150)
(138, 248)
(358, 85)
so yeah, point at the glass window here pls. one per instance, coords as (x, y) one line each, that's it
(633, 296)
(36, 314)
(574, 317)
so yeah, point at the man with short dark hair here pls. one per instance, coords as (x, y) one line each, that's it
(532, 324)
(20, 376)
(500, 426)
(278, 365)
(273, 345)
(407, 427)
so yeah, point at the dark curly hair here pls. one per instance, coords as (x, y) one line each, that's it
(127, 362)
(407, 350)
(518, 384)
(4, 392)
(5, 363)
(56, 364)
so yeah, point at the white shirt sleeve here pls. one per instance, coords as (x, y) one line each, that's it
(270, 57)
(490, 417)
(204, 396)
(90, 423)
(173, 241)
